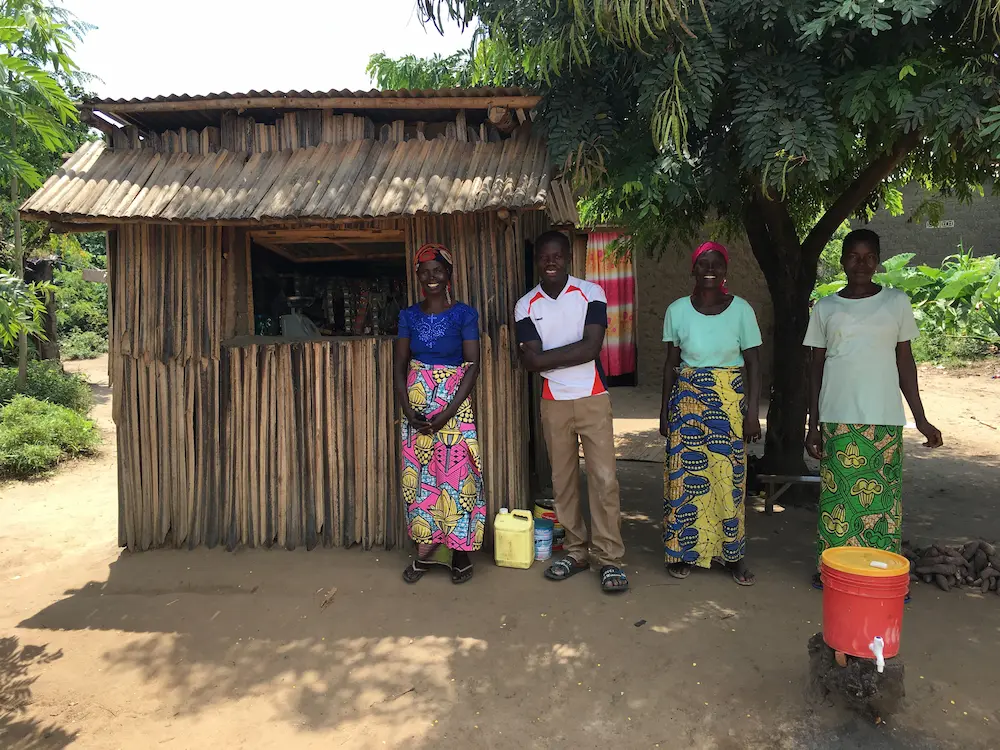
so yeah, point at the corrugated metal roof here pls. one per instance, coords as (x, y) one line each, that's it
(356, 179)
(333, 93)
(561, 204)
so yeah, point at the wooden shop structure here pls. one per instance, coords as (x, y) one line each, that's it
(229, 214)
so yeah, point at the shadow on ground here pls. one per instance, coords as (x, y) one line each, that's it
(102, 393)
(522, 661)
(17, 731)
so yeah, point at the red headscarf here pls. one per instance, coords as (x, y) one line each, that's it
(434, 251)
(708, 247)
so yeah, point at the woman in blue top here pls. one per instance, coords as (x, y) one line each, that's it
(711, 336)
(435, 369)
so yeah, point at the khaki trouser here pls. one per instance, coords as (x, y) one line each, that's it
(566, 424)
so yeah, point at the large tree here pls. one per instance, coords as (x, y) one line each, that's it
(777, 119)
(36, 41)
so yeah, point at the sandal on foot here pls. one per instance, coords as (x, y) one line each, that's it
(568, 567)
(461, 575)
(613, 580)
(744, 577)
(679, 570)
(412, 573)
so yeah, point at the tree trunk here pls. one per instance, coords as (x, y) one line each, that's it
(786, 416)
(790, 274)
(22, 340)
(46, 345)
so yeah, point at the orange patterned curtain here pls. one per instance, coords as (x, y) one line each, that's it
(617, 279)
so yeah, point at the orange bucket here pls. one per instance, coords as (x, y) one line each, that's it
(863, 594)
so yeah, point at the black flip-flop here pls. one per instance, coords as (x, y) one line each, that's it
(568, 567)
(412, 574)
(609, 575)
(461, 575)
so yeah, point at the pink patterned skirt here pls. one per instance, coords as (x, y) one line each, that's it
(442, 474)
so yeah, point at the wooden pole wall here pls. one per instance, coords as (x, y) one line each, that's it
(281, 443)
(532, 225)
(294, 130)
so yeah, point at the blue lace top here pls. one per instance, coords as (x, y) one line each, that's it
(437, 339)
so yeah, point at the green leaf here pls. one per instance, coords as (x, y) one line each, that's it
(21, 308)
(825, 290)
(906, 282)
(898, 261)
(958, 283)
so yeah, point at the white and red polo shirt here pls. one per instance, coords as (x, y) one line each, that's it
(559, 322)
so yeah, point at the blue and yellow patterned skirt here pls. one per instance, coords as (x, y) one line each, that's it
(704, 485)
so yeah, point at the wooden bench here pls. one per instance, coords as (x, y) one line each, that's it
(783, 484)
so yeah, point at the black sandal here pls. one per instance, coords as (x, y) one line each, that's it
(461, 575)
(568, 567)
(412, 573)
(613, 580)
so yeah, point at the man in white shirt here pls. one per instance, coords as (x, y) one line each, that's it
(560, 329)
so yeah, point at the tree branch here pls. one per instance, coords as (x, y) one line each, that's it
(856, 192)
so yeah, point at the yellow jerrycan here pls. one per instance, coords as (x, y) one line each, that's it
(514, 538)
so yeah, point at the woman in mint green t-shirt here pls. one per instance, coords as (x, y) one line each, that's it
(712, 337)
(861, 360)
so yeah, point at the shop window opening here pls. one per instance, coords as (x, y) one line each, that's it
(313, 283)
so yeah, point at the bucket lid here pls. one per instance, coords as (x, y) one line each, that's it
(865, 561)
(543, 523)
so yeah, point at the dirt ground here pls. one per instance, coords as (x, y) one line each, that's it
(100, 648)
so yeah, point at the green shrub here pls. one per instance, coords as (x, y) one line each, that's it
(47, 382)
(35, 436)
(940, 349)
(83, 345)
(82, 316)
(81, 305)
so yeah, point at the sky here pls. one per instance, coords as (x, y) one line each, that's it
(141, 48)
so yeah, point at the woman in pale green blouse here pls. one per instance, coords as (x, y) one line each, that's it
(712, 337)
(861, 362)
